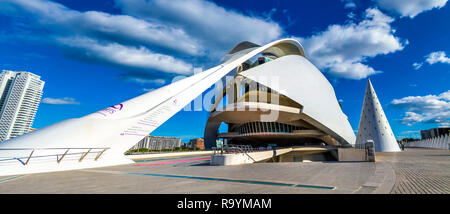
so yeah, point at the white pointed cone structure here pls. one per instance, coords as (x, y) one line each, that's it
(373, 124)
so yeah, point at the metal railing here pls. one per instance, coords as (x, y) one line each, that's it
(236, 149)
(24, 160)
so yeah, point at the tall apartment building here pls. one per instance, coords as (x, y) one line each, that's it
(20, 93)
(158, 143)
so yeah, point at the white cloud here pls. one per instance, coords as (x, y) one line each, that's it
(342, 49)
(149, 37)
(127, 56)
(410, 7)
(427, 109)
(445, 95)
(214, 27)
(349, 4)
(60, 101)
(438, 56)
(432, 58)
(157, 82)
(62, 21)
(148, 89)
(351, 15)
(409, 132)
(417, 65)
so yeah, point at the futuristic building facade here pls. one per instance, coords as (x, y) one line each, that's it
(101, 138)
(277, 97)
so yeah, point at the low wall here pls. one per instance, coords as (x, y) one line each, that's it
(230, 159)
(241, 158)
(350, 154)
(343, 154)
(168, 154)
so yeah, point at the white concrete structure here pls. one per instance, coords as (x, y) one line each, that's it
(279, 98)
(20, 94)
(101, 138)
(440, 142)
(373, 124)
(246, 158)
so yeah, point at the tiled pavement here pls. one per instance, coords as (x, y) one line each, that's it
(420, 171)
(416, 171)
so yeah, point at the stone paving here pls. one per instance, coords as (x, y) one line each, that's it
(199, 177)
(419, 171)
(416, 171)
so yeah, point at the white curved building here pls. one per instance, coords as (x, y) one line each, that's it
(278, 98)
(101, 138)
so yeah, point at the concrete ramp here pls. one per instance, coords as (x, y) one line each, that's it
(246, 157)
(292, 154)
(237, 158)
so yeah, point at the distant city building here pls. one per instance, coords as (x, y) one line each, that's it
(158, 143)
(436, 132)
(198, 143)
(20, 93)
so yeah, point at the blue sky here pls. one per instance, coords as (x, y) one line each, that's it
(93, 54)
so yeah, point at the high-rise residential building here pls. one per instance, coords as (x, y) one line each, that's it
(20, 93)
(158, 143)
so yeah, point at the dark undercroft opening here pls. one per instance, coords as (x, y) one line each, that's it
(303, 156)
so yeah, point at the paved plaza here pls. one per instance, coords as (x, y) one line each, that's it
(420, 171)
(413, 171)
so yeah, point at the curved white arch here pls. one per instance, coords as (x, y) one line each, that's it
(299, 80)
(302, 82)
(117, 127)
